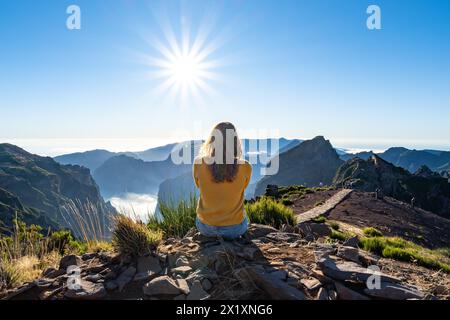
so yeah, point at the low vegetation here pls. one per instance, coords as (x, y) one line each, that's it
(134, 238)
(270, 212)
(319, 219)
(175, 220)
(372, 232)
(339, 235)
(403, 250)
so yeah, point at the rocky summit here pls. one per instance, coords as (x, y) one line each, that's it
(265, 264)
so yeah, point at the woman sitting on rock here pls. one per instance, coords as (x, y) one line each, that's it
(222, 175)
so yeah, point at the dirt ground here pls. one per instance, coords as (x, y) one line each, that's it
(309, 201)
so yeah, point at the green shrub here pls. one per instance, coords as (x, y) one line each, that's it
(340, 236)
(133, 238)
(270, 212)
(403, 250)
(334, 226)
(372, 232)
(287, 202)
(175, 220)
(319, 219)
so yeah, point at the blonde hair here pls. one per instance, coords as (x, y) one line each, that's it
(223, 160)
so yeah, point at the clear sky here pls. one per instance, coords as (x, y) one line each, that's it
(299, 68)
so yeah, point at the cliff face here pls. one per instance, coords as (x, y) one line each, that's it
(47, 193)
(310, 163)
(431, 192)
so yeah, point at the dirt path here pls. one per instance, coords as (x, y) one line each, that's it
(329, 205)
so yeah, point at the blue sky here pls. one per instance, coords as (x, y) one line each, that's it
(302, 68)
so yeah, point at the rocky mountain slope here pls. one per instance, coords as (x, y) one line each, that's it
(430, 191)
(267, 264)
(311, 163)
(44, 192)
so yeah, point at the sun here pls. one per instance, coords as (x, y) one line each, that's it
(183, 65)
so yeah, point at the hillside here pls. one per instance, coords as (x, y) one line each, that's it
(43, 192)
(311, 163)
(431, 192)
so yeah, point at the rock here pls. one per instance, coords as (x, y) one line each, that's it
(273, 287)
(283, 237)
(395, 291)
(125, 277)
(345, 293)
(323, 251)
(48, 272)
(287, 228)
(162, 285)
(206, 284)
(311, 284)
(180, 297)
(349, 253)
(111, 285)
(279, 274)
(70, 260)
(197, 292)
(88, 256)
(181, 261)
(322, 294)
(259, 230)
(249, 253)
(183, 285)
(94, 277)
(332, 295)
(183, 270)
(352, 242)
(86, 291)
(312, 231)
(201, 274)
(349, 271)
(147, 268)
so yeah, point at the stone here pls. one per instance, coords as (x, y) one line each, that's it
(275, 288)
(279, 274)
(183, 285)
(287, 228)
(197, 292)
(352, 242)
(259, 230)
(181, 261)
(182, 270)
(312, 231)
(70, 260)
(86, 290)
(180, 297)
(311, 284)
(349, 253)
(395, 291)
(88, 256)
(206, 284)
(322, 294)
(349, 271)
(332, 295)
(125, 277)
(345, 293)
(162, 285)
(283, 237)
(94, 277)
(111, 285)
(323, 251)
(147, 268)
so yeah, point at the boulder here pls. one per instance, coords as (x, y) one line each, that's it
(311, 284)
(395, 291)
(183, 270)
(322, 294)
(86, 290)
(70, 260)
(256, 231)
(349, 271)
(283, 237)
(163, 285)
(275, 288)
(349, 253)
(197, 292)
(312, 231)
(352, 242)
(345, 293)
(125, 277)
(183, 285)
(147, 267)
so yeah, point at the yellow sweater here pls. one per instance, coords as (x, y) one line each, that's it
(221, 204)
